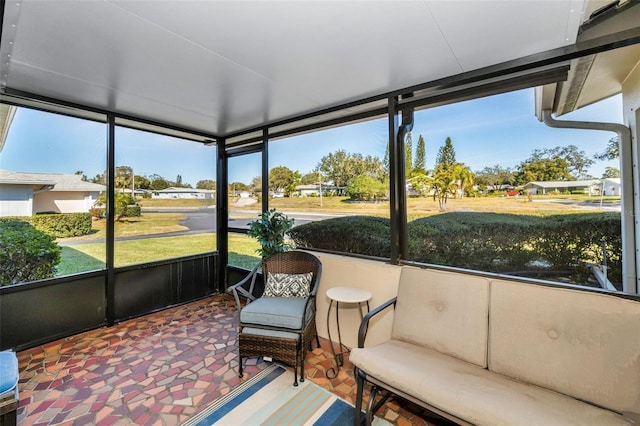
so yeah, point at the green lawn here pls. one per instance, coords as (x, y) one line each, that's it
(88, 257)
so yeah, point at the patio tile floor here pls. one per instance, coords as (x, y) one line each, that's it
(159, 369)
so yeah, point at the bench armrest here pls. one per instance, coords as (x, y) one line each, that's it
(364, 325)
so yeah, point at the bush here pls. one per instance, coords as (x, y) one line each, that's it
(63, 225)
(26, 254)
(366, 235)
(492, 242)
(129, 211)
(481, 241)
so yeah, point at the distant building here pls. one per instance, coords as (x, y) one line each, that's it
(173, 192)
(313, 190)
(611, 186)
(25, 194)
(589, 186)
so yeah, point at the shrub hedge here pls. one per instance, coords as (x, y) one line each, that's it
(26, 254)
(352, 234)
(483, 241)
(63, 225)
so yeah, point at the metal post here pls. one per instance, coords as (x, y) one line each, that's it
(393, 179)
(111, 210)
(265, 170)
(222, 214)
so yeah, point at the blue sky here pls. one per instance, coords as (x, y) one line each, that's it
(500, 129)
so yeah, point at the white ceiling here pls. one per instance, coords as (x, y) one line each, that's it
(222, 66)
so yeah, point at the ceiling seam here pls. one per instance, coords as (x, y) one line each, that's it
(435, 21)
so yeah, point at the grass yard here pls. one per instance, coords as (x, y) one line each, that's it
(91, 256)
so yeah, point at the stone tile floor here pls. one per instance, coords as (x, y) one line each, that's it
(159, 369)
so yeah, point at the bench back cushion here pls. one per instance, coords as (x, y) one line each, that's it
(444, 311)
(582, 344)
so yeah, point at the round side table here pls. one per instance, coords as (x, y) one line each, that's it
(343, 295)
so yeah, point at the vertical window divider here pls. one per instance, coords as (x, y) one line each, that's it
(222, 213)
(265, 169)
(111, 209)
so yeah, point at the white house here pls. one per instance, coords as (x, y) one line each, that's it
(24, 194)
(173, 192)
(588, 186)
(611, 186)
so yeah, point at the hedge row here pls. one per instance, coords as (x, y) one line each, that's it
(63, 225)
(483, 241)
(26, 254)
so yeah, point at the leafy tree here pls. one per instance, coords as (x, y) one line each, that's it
(311, 178)
(408, 154)
(340, 167)
(206, 184)
(421, 183)
(142, 182)
(81, 173)
(179, 181)
(495, 176)
(123, 177)
(122, 200)
(611, 152)
(366, 188)
(577, 161)
(234, 187)
(385, 162)
(282, 178)
(446, 155)
(463, 175)
(159, 183)
(420, 160)
(444, 184)
(611, 172)
(543, 169)
(256, 185)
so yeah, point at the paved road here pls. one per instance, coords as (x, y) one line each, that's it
(204, 220)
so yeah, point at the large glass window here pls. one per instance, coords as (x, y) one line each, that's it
(491, 188)
(335, 184)
(165, 197)
(49, 186)
(245, 204)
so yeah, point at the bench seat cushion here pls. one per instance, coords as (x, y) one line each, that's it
(472, 393)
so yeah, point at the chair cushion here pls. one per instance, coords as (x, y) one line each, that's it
(282, 312)
(287, 285)
(472, 393)
(8, 371)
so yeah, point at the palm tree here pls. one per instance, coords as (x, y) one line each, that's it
(444, 184)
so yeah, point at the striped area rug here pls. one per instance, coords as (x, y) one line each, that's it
(269, 398)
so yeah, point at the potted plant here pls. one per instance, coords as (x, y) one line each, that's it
(270, 230)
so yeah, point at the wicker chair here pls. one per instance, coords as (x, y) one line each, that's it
(278, 327)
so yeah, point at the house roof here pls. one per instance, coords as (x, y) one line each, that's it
(61, 182)
(595, 77)
(563, 183)
(220, 68)
(175, 190)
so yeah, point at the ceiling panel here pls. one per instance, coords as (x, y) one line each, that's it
(222, 66)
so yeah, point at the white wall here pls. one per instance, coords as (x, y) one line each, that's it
(631, 115)
(60, 202)
(15, 200)
(378, 277)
